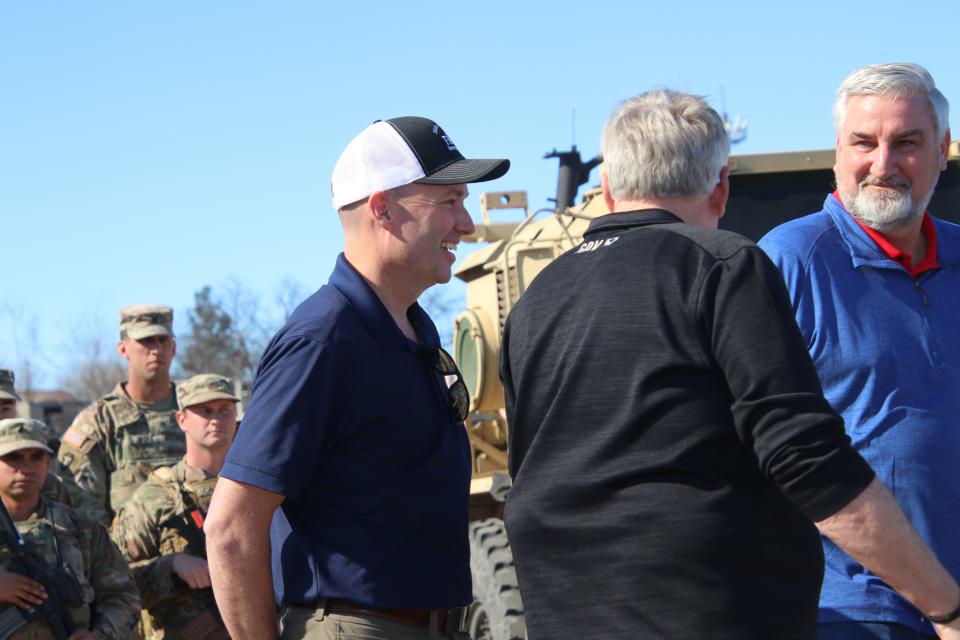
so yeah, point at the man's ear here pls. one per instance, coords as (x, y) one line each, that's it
(605, 188)
(944, 150)
(721, 193)
(122, 349)
(836, 155)
(378, 203)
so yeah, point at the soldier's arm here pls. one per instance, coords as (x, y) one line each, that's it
(238, 549)
(116, 603)
(83, 468)
(136, 532)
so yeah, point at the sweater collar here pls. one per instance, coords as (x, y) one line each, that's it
(864, 250)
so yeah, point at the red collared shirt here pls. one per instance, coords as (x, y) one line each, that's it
(929, 261)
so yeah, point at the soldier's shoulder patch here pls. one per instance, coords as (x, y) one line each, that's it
(78, 438)
(88, 421)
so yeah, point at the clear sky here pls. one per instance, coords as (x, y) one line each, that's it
(149, 149)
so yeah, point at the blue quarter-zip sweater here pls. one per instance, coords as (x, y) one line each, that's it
(887, 348)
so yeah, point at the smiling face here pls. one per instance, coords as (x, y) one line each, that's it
(23, 472)
(209, 425)
(888, 159)
(429, 221)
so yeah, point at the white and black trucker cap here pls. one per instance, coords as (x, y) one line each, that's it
(395, 152)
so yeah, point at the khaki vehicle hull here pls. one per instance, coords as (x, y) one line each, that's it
(766, 190)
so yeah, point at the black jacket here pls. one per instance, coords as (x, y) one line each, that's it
(669, 441)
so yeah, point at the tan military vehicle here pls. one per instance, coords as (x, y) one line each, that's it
(766, 190)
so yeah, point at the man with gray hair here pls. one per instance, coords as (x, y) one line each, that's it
(874, 280)
(670, 445)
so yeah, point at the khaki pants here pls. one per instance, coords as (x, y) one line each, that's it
(298, 623)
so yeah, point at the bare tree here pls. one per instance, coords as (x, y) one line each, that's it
(215, 344)
(256, 321)
(22, 349)
(290, 294)
(96, 367)
(94, 377)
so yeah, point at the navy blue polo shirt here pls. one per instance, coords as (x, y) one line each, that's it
(352, 425)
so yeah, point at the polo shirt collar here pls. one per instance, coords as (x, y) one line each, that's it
(864, 250)
(374, 315)
(902, 257)
(630, 219)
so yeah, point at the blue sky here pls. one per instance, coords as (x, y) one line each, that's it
(149, 149)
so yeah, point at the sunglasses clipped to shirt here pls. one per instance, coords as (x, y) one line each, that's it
(443, 363)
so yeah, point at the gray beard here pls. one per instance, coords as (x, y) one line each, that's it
(886, 211)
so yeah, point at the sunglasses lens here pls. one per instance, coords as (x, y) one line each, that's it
(459, 396)
(445, 363)
(459, 401)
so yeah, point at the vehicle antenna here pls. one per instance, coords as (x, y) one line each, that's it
(573, 127)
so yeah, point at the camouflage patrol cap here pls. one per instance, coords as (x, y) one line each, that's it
(145, 321)
(7, 392)
(22, 433)
(203, 387)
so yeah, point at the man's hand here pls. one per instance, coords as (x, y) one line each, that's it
(192, 570)
(874, 531)
(82, 634)
(20, 590)
(948, 631)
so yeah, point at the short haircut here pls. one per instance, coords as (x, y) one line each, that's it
(664, 144)
(899, 79)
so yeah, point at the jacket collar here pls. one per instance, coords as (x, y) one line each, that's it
(864, 251)
(630, 219)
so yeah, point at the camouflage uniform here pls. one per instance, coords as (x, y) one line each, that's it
(113, 444)
(65, 539)
(165, 517)
(109, 589)
(7, 391)
(53, 488)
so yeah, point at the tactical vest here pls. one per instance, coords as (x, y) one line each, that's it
(182, 532)
(53, 538)
(140, 445)
(194, 614)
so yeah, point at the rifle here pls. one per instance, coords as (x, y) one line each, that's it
(63, 590)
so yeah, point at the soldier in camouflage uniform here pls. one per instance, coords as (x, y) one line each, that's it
(66, 544)
(53, 488)
(8, 395)
(114, 444)
(159, 529)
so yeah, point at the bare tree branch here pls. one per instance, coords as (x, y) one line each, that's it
(95, 368)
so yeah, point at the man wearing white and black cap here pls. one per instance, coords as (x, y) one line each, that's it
(352, 430)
